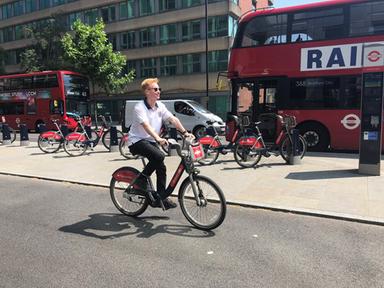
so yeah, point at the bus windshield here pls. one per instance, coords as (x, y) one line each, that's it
(77, 92)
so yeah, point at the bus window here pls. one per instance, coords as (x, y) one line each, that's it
(12, 108)
(319, 25)
(265, 30)
(31, 105)
(371, 23)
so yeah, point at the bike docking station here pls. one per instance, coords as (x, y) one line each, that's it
(114, 143)
(41, 128)
(64, 129)
(294, 156)
(6, 135)
(24, 139)
(371, 110)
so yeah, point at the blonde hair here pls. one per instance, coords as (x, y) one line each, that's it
(147, 82)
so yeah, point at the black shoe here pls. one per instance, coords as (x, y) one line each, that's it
(168, 204)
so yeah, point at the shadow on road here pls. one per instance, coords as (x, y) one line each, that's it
(106, 226)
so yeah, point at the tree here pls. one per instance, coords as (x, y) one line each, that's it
(90, 52)
(46, 52)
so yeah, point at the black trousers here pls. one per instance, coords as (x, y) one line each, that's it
(155, 157)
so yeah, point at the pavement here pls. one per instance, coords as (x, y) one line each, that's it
(323, 184)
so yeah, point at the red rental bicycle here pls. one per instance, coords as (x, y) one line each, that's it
(249, 149)
(212, 144)
(201, 200)
(51, 141)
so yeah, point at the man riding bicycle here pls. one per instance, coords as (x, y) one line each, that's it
(144, 137)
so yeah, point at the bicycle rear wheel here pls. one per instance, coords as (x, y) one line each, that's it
(124, 150)
(127, 202)
(75, 144)
(211, 153)
(51, 143)
(247, 156)
(286, 147)
(106, 139)
(211, 211)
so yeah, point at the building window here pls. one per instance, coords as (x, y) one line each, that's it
(112, 40)
(8, 34)
(43, 4)
(90, 16)
(19, 32)
(168, 65)
(217, 60)
(57, 2)
(190, 30)
(217, 26)
(168, 34)
(108, 14)
(190, 3)
(148, 37)
(7, 11)
(148, 67)
(146, 7)
(30, 6)
(165, 5)
(191, 63)
(73, 17)
(127, 40)
(126, 9)
(232, 26)
(19, 7)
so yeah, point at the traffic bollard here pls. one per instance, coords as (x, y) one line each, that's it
(294, 157)
(113, 143)
(24, 139)
(6, 135)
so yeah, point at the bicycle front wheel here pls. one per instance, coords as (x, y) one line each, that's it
(50, 143)
(12, 133)
(106, 139)
(127, 202)
(75, 144)
(209, 210)
(286, 148)
(246, 156)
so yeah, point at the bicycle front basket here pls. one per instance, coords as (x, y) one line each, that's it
(196, 151)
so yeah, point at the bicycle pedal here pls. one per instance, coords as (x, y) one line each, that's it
(267, 154)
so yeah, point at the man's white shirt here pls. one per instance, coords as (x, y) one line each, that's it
(153, 116)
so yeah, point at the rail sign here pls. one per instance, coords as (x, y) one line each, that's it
(342, 56)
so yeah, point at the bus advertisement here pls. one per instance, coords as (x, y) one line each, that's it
(39, 97)
(308, 61)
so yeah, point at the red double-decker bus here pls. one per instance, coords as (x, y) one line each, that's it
(308, 61)
(39, 97)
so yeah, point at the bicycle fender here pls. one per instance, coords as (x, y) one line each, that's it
(209, 140)
(250, 141)
(76, 136)
(50, 135)
(125, 174)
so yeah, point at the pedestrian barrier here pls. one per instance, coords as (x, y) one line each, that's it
(114, 142)
(24, 139)
(295, 157)
(6, 134)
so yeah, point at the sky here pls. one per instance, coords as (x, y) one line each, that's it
(285, 3)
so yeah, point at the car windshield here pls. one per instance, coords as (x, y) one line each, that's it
(198, 106)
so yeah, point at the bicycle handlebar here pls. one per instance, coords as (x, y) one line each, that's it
(173, 144)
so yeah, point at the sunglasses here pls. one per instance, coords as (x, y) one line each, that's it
(156, 89)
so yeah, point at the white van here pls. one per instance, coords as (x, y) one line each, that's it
(192, 115)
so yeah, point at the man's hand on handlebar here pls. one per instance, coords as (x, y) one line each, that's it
(162, 141)
(189, 135)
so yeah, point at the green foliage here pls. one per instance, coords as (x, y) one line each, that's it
(46, 51)
(90, 52)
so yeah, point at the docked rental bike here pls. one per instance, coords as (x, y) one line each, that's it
(51, 141)
(201, 200)
(249, 149)
(12, 132)
(76, 143)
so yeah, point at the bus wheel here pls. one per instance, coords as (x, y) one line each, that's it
(38, 122)
(316, 135)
